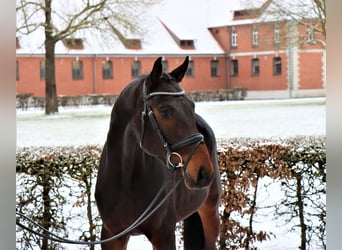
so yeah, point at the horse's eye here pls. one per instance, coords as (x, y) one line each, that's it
(165, 112)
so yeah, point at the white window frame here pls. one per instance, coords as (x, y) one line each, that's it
(255, 67)
(310, 34)
(276, 34)
(234, 38)
(255, 36)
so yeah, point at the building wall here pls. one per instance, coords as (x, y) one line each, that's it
(29, 76)
(308, 67)
(310, 70)
(93, 83)
(64, 82)
(266, 80)
(202, 79)
(265, 51)
(244, 32)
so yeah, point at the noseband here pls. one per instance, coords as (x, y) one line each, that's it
(195, 139)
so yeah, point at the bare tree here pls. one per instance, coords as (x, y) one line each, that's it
(303, 12)
(62, 19)
(304, 202)
(319, 7)
(299, 11)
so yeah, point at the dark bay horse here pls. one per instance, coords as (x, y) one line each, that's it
(155, 136)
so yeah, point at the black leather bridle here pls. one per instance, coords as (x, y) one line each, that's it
(195, 139)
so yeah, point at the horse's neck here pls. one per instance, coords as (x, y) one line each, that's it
(121, 116)
(122, 144)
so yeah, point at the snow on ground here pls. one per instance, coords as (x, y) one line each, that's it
(266, 119)
(271, 118)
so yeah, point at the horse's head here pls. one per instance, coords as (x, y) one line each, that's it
(168, 128)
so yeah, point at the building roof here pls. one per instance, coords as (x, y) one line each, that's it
(171, 24)
(172, 27)
(259, 11)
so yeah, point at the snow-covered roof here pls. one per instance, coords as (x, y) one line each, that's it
(270, 11)
(187, 20)
(170, 21)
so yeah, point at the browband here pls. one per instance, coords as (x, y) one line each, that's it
(150, 95)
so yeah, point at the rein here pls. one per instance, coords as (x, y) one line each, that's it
(195, 139)
(142, 218)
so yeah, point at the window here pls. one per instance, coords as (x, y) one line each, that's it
(255, 67)
(17, 71)
(165, 66)
(214, 68)
(276, 35)
(77, 70)
(235, 67)
(107, 69)
(42, 70)
(277, 65)
(73, 43)
(136, 67)
(255, 36)
(190, 72)
(234, 38)
(186, 44)
(310, 34)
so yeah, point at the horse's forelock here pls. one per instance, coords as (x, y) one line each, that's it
(165, 80)
(167, 77)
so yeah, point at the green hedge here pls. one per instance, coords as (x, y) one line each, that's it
(55, 187)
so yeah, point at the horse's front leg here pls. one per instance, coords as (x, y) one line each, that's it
(163, 238)
(117, 244)
(211, 224)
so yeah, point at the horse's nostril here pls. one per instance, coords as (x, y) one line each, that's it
(203, 178)
(201, 174)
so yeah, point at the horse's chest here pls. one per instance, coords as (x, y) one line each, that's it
(187, 201)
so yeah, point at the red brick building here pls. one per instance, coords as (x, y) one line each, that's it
(84, 75)
(271, 59)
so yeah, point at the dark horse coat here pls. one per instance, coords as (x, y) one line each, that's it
(137, 158)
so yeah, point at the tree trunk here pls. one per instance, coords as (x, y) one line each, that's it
(92, 226)
(51, 104)
(47, 216)
(253, 208)
(300, 204)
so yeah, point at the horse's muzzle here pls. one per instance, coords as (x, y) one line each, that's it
(202, 180)
(199, 172)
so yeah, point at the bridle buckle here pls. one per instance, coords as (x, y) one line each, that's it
(180, 163)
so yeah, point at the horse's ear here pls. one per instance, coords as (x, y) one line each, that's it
(179, 72)
(156, 71)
